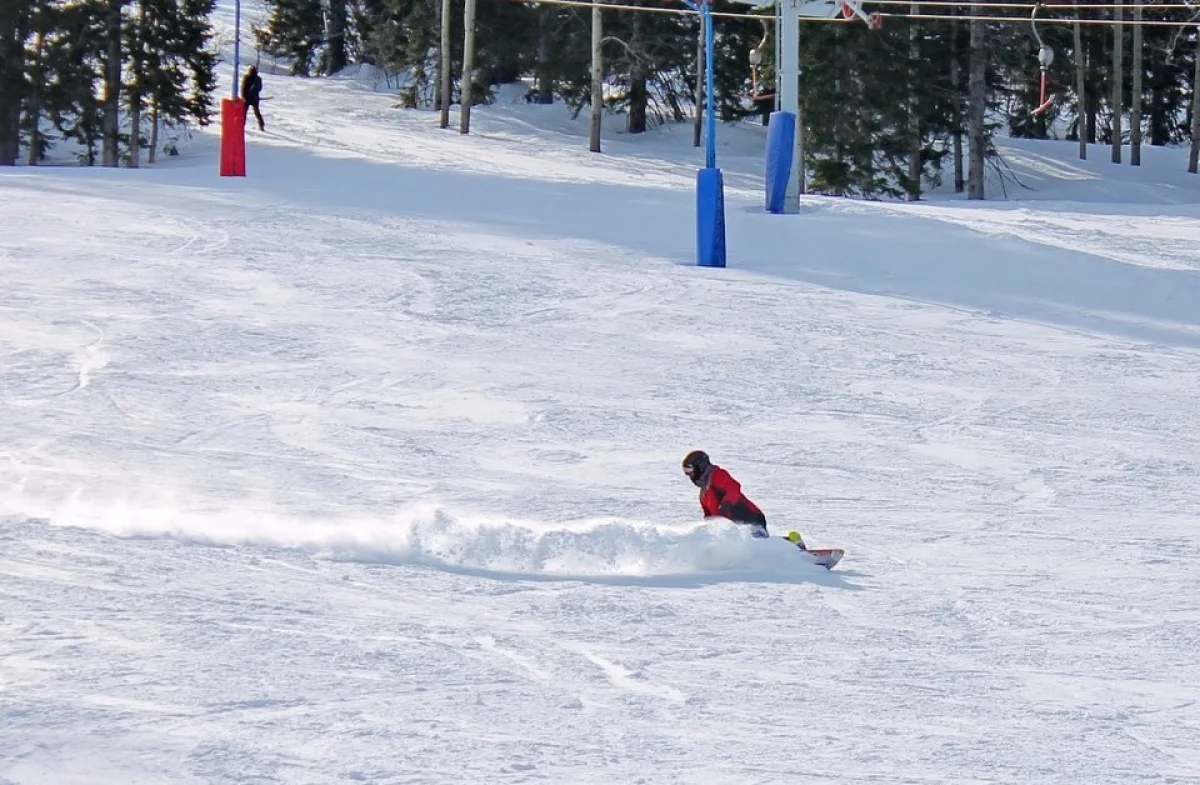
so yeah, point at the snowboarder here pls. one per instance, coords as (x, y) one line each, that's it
(251, 91)
(721, 495)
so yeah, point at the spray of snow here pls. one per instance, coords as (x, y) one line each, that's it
(432, 535)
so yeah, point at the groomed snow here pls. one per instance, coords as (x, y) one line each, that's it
(366, 468)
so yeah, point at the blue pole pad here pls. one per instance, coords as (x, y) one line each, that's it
(781, 146)
(710, 218)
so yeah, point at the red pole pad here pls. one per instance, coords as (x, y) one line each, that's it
(233, 137)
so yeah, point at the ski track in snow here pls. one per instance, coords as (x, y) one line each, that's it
(365, 469)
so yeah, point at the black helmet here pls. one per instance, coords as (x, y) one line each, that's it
(695, 464)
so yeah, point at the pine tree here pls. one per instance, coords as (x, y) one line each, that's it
(1168, 86)
(734, 88)
(546, 49)
(506, 41)
(137, 35)
(1194, 150)
(336, 43)
(294, 30)
(87, 69)
(871, 128)
(404, 36)
(112, 57)
(76, 71)
(14, 29)
(42, 23)
(172, 64)
(645, 59)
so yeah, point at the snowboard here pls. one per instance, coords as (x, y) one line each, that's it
(824, 557)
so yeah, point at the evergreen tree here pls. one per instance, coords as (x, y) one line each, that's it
(645, 60)
(294, 30)
(73, 63)
(174, 66)
(14, 30)
(112, 59)
(38, 52)
(882, 108)
(336, 43)
(162, 61)
(506, 41)
(402, 36)
(734, 94)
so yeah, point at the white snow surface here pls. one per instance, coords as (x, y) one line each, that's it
(366, 468)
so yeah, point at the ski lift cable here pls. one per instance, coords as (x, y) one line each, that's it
(1020, 20)
(891, 15)
(1028, 6)
(658, 9)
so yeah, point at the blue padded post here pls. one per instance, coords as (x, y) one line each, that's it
(781, 146)
(710, 218)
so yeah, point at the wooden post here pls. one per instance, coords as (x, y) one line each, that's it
(597, 78)
(976, 108)
(444, 65)
(468, 65)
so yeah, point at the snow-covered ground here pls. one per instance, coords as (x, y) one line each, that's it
(366, 467)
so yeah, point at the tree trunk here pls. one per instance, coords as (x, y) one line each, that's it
(698, 94)
(468, 75)
(1160, 120)
(956, 87)
(977, 110)
(1118, 80)
(839, 135)
(1080, 88)
(335, 37)
(154, 133)
(545, 59)
(913, 189)
(597, 79)
(137, 58)
(135, 130)
(110, 155)
(1135, 97)
(638, 94)
(37, 76)
(1095, 46)
(14, 21)
(444, 65)
(1194, 154)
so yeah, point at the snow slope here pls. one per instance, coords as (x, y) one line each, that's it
(366, 468)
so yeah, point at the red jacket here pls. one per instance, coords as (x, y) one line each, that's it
(721, 495)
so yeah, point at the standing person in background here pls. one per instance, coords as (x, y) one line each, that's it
(251, 93)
